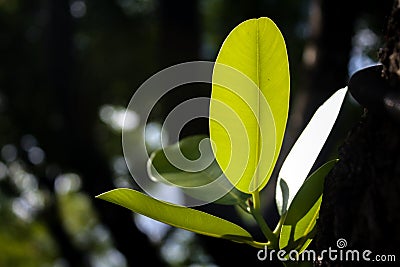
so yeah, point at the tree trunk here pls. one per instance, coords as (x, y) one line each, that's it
(361, 195)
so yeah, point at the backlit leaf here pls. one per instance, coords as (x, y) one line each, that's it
(298, 227)
(249, 103)
(177, 216)
(165, 166)
(305, 151)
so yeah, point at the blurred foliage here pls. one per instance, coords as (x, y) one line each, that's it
(46, 213)
(24, 243)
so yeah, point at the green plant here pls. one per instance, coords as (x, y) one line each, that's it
(248, 114)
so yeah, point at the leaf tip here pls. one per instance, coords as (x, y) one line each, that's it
(105, 195)
(101, 196)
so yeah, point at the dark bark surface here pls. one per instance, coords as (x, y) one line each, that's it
(361, 195)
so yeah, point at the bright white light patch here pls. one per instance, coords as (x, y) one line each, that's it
(305, 151)
(119, 118)
(66, 183)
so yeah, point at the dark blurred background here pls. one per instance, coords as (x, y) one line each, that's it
(67, 72)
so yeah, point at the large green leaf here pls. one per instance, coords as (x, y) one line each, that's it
(164, 166)
(299, 221)
(249, 103)
(177, 216)
(305, 151)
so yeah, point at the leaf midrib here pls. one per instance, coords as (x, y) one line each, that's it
(258, 119)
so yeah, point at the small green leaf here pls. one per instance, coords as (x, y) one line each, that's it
(249, 103)
(305, 151)
(165, 166)
(298, 263)
(299, 222)
(177, 216)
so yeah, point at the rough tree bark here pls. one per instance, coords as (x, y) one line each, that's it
(361, 196)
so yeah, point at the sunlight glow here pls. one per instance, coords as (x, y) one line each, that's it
(67, 183)
(175, 250)
(364, 41)
(110, 258)
(78, 9)
(114, 117)
(36, 155)
(155, 136)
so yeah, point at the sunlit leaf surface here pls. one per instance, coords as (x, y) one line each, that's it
(305, 151)
(298, 228)
(249, 103)
(177, 216)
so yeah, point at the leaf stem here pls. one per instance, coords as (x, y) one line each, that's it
(256, 244)
(278, 227)
(256, 212)
(256, 200)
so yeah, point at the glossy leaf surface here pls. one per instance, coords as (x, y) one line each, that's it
(249, 103)
(298, 227)
(177, 216)
(305, 151)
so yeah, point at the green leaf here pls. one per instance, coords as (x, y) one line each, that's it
(298, 263)
(305, 151)
(177, 216)
(249, 103)
(167, 167)
(298, 228)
